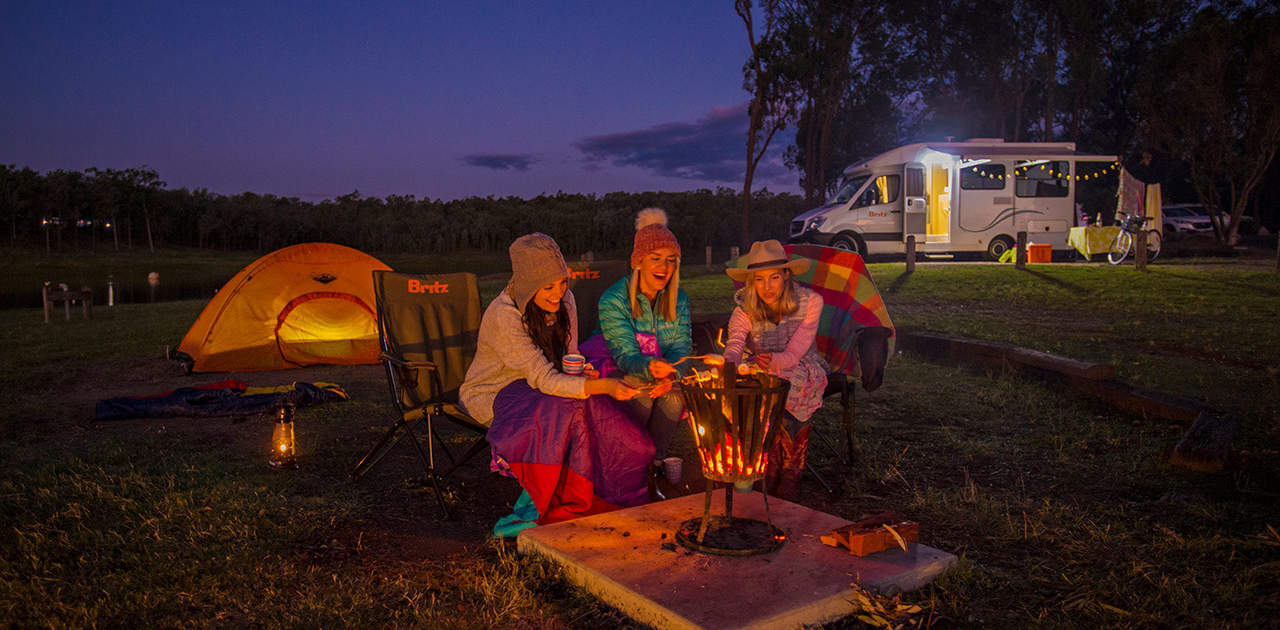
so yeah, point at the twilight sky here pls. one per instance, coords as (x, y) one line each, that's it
(438, 99)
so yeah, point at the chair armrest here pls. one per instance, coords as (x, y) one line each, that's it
(397, 361)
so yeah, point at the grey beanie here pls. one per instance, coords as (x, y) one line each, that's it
(535, 262)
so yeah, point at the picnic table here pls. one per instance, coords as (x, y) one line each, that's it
(62, 294)
(1092, 239)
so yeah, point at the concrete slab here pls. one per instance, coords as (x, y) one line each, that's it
(627, 558)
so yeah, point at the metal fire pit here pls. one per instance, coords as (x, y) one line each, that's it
(730, 415)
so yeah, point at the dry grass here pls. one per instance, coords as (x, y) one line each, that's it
(1063, 513)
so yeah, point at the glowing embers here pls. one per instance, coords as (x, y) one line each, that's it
(730, 415)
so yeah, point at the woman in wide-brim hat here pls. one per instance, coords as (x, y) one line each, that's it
(777, 320)
(573, 448)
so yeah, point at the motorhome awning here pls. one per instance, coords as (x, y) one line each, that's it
(1018, 153)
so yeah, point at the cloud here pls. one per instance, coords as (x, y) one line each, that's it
(501, 162)
(712, 149)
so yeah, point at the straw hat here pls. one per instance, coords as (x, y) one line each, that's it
(765, 255)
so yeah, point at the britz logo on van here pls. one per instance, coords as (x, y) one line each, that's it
(416, 286)
(585, 274)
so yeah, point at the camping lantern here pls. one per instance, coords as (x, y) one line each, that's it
(282, 445)
(731, 415)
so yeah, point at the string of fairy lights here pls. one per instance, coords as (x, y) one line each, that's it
(1049, 169)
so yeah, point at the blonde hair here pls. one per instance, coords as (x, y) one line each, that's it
(667, 302)
(756, 309)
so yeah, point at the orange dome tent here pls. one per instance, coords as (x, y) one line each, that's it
(306, 304)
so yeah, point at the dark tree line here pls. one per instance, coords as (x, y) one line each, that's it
(71, 210)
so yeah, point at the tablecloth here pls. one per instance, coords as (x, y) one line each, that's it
(1092, 239)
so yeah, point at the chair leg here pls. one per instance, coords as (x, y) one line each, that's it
(823, 482)
(476, 447)
(389, 439)
(846, 402)
(429, 459)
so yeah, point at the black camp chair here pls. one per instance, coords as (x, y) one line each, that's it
(588, 279)
(428, 326)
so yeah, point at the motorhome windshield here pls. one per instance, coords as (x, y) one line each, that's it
(847, 188)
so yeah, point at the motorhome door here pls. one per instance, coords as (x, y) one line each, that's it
(915, 213)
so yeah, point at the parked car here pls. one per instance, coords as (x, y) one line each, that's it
(1191, 218)
(1184, 219)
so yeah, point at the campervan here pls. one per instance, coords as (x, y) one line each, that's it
(954, 197)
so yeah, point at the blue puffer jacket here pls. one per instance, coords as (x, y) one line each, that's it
(675, 339)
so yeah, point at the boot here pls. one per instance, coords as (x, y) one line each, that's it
(778, 455)
(793, 465)
(655, 471)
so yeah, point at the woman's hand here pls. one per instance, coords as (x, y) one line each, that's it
(660, 389)
(660, 369)
(612, 387)
(590, 372)
(762, 359)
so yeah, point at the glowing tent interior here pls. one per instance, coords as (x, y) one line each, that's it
(306, 304)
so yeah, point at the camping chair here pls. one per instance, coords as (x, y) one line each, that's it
(855, 334)
(428, 326)
(588, 279)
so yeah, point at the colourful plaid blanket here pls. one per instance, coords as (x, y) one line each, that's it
(850, 302)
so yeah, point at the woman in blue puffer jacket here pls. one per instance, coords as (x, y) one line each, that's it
(644, 326)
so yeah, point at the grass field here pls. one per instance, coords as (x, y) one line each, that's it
(1064, 513)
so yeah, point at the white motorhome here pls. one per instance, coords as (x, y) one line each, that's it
(971, 196)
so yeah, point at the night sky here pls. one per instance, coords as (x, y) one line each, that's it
(432, 99)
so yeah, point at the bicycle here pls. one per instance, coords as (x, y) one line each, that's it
(1130, 227)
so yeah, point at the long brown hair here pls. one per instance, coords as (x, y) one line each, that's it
(756, 308)
(552, 339)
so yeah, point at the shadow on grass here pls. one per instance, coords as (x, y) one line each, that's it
(897, 283)
(1265, 291)
(1074, 288)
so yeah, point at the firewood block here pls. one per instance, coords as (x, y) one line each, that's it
(870, 535)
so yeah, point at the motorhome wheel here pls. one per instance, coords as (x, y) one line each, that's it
(998, 246)
(849, 243)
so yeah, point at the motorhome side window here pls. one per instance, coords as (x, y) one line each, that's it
(1043, 178)
(884, 189)
(982, 177)
(847, 188)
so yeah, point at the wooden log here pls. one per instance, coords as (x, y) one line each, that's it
(911, 253)
(1020, 256)
(1093, 379)
(1142, 402)
(1003, 355)
(1207, 444)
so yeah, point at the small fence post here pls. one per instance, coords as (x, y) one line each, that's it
(1140, 250)
(911, 252)
(708, 258)
(733, 253)
(1020, 256)
(111, 292)
(48, 306)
